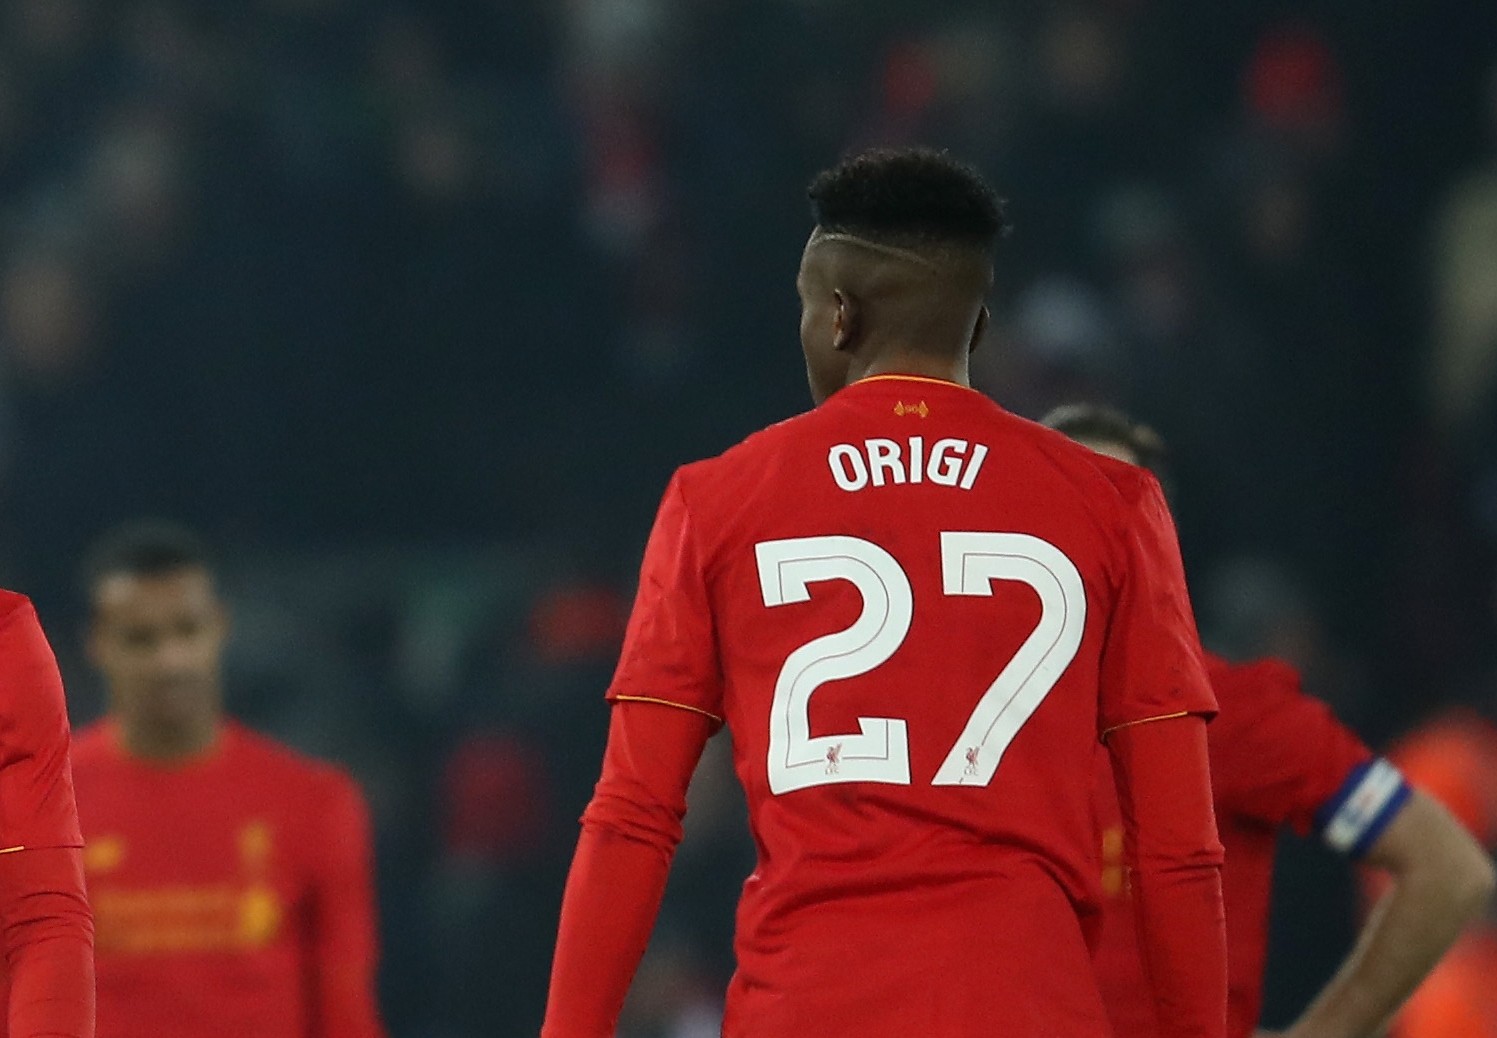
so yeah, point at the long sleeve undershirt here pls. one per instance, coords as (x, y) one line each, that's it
(48, 938)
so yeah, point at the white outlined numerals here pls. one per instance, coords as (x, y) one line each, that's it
(971, 563)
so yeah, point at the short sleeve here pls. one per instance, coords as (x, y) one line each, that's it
(36, 781)
(1151, 662)
(670, 647)
(1281, 757)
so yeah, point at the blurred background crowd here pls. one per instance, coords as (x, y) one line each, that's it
(412, 307)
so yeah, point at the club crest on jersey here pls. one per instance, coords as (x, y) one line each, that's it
(834, 759)
(971, 768)
(879, 462)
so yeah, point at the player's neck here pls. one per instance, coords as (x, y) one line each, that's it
(909, 362)
(175, 744)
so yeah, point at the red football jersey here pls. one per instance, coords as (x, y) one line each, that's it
(916, 613)
(233, 894)
(36, 783)
(1278, 757)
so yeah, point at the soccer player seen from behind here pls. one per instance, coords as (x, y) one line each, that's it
(921, 618)
(1281, 758)
(46, 933)
(231, 877)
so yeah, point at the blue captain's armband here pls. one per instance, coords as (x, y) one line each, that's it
(1353, 819)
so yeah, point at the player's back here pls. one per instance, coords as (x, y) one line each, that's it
(912, 594)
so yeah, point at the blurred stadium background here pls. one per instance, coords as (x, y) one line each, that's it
(411, 308)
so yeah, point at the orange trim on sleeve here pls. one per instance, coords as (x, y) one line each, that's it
(667, 702)
(11, 850)
(1144, 720)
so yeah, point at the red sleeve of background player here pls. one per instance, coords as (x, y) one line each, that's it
(670, 648)
(1151, 662)
(343, 920)
(1279, 756)
(629, 835)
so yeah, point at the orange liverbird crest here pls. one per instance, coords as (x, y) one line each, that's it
(920, 410)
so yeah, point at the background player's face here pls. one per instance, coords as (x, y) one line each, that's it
(821, 326)
(158, 640)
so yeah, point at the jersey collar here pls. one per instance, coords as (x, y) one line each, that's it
(896, 377)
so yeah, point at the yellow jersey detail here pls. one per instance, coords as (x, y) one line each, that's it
(255, 845)
(103, 854)
(153, 920)
(259, 917)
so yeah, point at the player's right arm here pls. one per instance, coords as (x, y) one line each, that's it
(46, 928)
(666, 695)
(48, 941)
(629, 836)
(1155, 699)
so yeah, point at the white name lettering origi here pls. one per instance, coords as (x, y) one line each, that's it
(883, 462)
(847, 467)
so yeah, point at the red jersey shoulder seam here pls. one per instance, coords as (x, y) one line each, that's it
(698, 558)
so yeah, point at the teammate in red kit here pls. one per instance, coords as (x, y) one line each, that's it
(46, 931)
(1281, 758)
(921, 618)
(231, 877)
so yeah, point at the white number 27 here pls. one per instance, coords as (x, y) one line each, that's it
(880, 751)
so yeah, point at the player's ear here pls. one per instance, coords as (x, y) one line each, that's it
(847, 324)
(979, 329)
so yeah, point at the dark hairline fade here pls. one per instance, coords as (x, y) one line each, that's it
(911, 197)
(144, 548)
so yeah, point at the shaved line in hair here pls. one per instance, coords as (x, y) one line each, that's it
(889, 251)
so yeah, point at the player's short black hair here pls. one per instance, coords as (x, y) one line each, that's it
(1096, 422)
(144, 547)
(909, 195)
